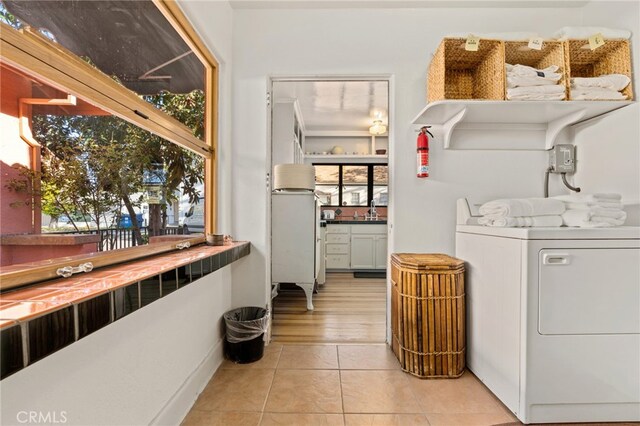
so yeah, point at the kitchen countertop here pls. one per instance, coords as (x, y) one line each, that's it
(356, 222)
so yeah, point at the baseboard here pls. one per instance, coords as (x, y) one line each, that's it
(177, 408)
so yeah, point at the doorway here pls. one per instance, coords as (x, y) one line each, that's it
(341, 126)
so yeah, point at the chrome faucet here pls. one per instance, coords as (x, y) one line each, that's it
(373, 213)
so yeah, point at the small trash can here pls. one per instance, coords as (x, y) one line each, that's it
(245, 328)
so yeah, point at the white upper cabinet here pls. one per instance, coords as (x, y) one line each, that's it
(288, 133)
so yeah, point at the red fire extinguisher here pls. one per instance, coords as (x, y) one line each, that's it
(423, 152)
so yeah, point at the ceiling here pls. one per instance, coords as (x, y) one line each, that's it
(337, 105)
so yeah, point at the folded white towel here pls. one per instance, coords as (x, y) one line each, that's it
(587, 219)
(610, 220)
(545, 90)
(608, 81)
(520, 81)
(586, 32)
(538, 97)
(599, 212)
(576, 217)
(519, 207)
(579, 93)
(527, 71)
(608, 201)
(589, 198)
(536, 93)
(614, 205)
(522, 222)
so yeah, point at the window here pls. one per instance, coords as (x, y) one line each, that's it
(129, 41)
(380, 185)
(327, 184)
(355, 189)
(352, 185)
(87, 152)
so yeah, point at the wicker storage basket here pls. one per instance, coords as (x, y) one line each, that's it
(455, 73)
(552, 53)
(612, 58)
(428, 314)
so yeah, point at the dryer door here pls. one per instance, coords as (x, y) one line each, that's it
(589, 291)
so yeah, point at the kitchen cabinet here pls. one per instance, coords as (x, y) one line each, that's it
(363, 251)
(337, 246)
(321, 257)
(368, 246)
(362, 246)
(380, 257)
(287, 145)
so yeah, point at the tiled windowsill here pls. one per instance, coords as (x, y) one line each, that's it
(48, 316)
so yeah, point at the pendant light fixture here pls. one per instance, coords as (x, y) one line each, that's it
(378, 128)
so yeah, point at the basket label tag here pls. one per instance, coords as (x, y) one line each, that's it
(596, 41)
(535, 43)
(472, 43)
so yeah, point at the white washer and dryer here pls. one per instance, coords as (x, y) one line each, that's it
(553, 319)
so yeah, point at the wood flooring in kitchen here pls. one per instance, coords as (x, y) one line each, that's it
(347, 310)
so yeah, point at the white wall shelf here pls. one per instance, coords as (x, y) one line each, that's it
(330, 159)
(510, 125)
(348, 138)
(339, 133)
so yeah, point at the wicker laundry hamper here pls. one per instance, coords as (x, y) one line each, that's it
(428, 314)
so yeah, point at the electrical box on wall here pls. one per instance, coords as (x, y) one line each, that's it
(562, 159)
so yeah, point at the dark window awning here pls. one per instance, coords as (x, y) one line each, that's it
(131, 40)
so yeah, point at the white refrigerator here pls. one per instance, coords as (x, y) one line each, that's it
(295, 240)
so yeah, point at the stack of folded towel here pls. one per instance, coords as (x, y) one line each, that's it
(526, 83)
(522, 212)
(605, 87)
(592, 210)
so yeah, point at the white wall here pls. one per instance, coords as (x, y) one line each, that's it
(608, 158)
(213, 20)
(149, 366)
(608, 149)
(145, 368)
(372, 41)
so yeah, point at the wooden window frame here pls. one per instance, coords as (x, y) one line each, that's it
(28, 51)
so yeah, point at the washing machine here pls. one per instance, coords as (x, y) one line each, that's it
(553, 319)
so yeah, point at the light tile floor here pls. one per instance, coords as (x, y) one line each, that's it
(349, 385)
